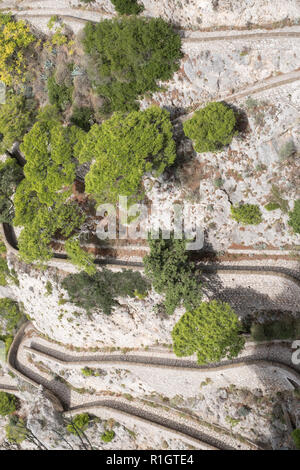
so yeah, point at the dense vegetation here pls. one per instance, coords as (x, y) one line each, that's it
(40, 200)
(212, 331)
(10, 316)
(123, 149)
(246, 214)
(128, 57)
(287, 328)
(17, 115)
(102, 289)
(10, 176)
(169, 268)
(48, 149)
(15, 38)
(294, 217)
(8, 403)
(127, 7)
(79, 257)
(60, 95)
(211, 128)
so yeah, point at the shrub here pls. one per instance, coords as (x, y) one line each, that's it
(80, 257)
(4, 271)
(212, 331)
(277, 198)
(169, 268)
(15, 430)
(87, 371)
(123, 149)
(127, 7)
(130, 56)
(8, 403)
(102, 289)
(211, 128)
(272, 206)
(79, 424)
(82, 118)
(15, 38)
(10, 314)
(287, 150)
(246, 214)
(287, 328)
(108, 436)
(59, 95)
(7, 339)
(10, 176)
(16, 117)
(296, 438)
(294, 217)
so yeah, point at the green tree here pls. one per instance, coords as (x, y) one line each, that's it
(16, 117)
(40, 227)
(102, 288)
(246, 214)
(80, 257)
(127, 7)
(48, 149)
(128, 57)
(123, 148)
(10, 176)
(211, 128)
(15, 38)
(294, 217)
(169, 268)
(8, 403)
(79, 424)
(10, 315)
(212, 331)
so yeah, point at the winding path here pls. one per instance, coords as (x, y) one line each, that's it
(169, 418)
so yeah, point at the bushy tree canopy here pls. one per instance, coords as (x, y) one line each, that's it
(8, 403)
(130, 55)
(15, 38)
(171, 272)
(10, 315)
(41, 223)
(212, 330)
(127, 7)
(211, 128)
(246, 214)
(48, 149)
(41, 205)
(123, 149)
(102, 289)
(294, 217)
(10, 176)
(16, 117)
(80, 257)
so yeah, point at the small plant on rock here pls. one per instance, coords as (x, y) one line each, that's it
(246, 214)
